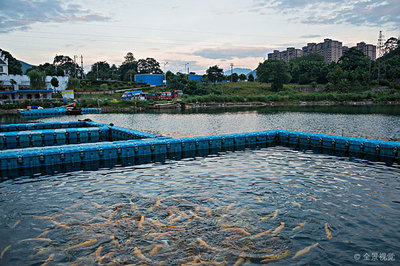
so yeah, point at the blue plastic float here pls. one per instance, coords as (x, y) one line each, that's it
(36, 145)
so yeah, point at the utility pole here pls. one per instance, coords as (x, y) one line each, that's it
(81, 66)
(165, 73)
(75, 57)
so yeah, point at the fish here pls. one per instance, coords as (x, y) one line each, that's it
(230, 206)
(156, 205)
(74, 206)
(155, 222)
(299, 226)
(208, 211)
(160, 235)
(48, 260)
(36, 239)
(296, 204)
(173, 226)
(238, 261)
(258, 199)
(16, 223)
(204, 244)
(313, 198)
(195, 215)
(278, 256)
(194, 261)
(328, 233)
(175, 220)
(110, 217)
(279, 228)
(132, 204)
(262, 233)
(50, 217)
(141, 221)
(60, 224)
(84, 244)
(304, 250)
(156, 249)
(98, 252)
(108, 255)
(197, 209)
(44, 233)
(140, 255)
(4, 251)
(96, 204)
(240, 230)
(272, 216)
(114, 241)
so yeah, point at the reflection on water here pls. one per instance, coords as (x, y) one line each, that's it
(245, 206)
(310, 119)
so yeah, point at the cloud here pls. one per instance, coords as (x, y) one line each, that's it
(355, 12)
(21, 14)
(229, 53)
(310, 36)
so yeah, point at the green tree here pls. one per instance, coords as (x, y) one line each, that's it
(73, 84)
(68, 65)
(148, 66)
(309, 68)
(14, 66)
(49, 69)
(127, 71)
(100, 70)
(37, 79)
(215, 74)
(250, 78)
(54, 82)
(274, 71)
(242, 77)
(234, 77)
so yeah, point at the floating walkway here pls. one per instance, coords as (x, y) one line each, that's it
(24, 146)
(47, 112)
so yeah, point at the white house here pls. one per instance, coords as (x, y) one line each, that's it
(3, 64)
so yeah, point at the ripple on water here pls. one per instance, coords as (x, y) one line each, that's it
(259, 204)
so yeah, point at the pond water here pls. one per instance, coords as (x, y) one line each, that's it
(275, 204)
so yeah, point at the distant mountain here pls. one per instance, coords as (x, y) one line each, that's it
(254, 72)
(25, 66)
(238, 71)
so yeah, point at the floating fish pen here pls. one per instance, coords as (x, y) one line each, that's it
(40, 145)
(35, 113)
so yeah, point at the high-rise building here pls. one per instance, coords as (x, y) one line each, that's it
(285, 55)
(368, 49)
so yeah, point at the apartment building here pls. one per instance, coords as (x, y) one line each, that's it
(330, 49)
(368, 49)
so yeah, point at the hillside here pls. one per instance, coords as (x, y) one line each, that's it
(25, 66)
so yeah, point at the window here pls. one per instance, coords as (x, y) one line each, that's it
(1, 69)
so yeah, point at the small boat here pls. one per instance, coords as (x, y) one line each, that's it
(73, 111)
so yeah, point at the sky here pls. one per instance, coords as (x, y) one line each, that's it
(194, 33)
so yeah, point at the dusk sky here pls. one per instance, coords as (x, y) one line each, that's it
(201, 33)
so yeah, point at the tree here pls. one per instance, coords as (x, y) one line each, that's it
(353, 59)
(37, 79)
(214, 74)
(149, 66)
(14, 66)
(391, 44)
(54, 82)
(250, 78)
(129, 58)
(49, 69)
(128, 70)
(73, 84)
(274, 71)
(100, 70)
(68, 65)
(242, 77)
(309, 68)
